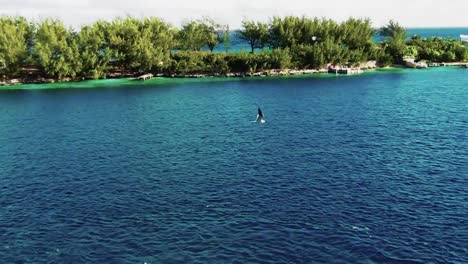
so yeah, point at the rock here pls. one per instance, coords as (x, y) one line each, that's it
(369, 65)
(309, 71)
(411, 63)
(421, 65)
(345, 70)
(295, 72)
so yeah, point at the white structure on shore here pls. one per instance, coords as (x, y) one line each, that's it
(410, 63)
(464, 38)
(145, 77)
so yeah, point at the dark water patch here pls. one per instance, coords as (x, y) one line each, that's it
(371, 169)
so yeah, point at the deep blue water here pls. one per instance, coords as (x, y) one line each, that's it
(238, 44)
(363, 169)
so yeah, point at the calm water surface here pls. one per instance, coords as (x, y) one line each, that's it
(366, 169)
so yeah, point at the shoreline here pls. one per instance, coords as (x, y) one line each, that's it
(126, 80)
(137, 77)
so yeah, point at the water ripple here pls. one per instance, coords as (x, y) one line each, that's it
(368, 170)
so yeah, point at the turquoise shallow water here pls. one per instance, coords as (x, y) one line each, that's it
(360, 169)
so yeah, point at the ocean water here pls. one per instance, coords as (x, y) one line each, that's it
(360, 169)
(438, 32)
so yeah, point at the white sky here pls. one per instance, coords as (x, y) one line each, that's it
(410, 13)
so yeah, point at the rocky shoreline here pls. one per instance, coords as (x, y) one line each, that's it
(266, 73)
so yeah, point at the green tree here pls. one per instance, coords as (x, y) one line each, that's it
(280, 59)
(291, 30)
(395, 42)
(211, 33)
(15, 39)
(356, 34)
(438, 49)
(153, 46)
(197, 34)
(132, 45)
(390, 29)
(121, 36)
(139, 45)
(255, 33)
(227, 39)
(224, 37)
(56, 50)
(94, 52)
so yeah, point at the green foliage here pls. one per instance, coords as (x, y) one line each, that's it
(390, 29)
(199, 63)
(290, 31)
(395, 42)
(333, 52)
(315, 42)
(439, 50)
(153, 45)
(356, 34)
(254, 33)
(94, 53)
(226, 39)
(239, 62)
(56, 50)
(139, 45)
(198, 33)
(15, 36)
(133, 46)
(356, 56)
(308, 56)
(191, 37)
(211, 34)
(280, 59)
(120, 37)
(411, 52)
(248, 62)
(384, 58)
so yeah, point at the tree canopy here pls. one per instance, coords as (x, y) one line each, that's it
(128, 46)
(256, 34)
(15, 41)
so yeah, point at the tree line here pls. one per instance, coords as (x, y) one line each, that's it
(132, 46)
